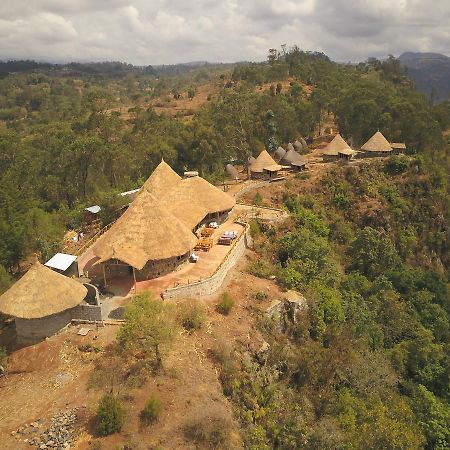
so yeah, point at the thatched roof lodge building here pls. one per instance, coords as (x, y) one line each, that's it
(338, 148)
(42, 302)
(264, 166)
(377, 145)
(156, 233)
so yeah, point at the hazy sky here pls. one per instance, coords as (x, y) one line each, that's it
(171, 31)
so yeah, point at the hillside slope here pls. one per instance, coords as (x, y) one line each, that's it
(430, 72)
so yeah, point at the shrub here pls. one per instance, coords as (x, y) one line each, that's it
(192, 316)
(257, 199)
(260, 295)
(396, 165)
(152, 410)
(211, 430)
(110, 415)
(226, 304)
(261, 268)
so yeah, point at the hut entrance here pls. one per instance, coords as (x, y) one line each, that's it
(117, 273)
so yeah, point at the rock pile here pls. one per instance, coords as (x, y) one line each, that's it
(59, 435)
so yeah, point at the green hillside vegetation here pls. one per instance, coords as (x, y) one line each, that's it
(369, 365)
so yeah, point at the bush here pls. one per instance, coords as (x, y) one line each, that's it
(257, 199)
(396, 165)
(261, 295)
(110, 415)
(212, 431)
(226, 304)
(192, 316)
(152, 410)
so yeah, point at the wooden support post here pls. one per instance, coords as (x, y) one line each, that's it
(134, 279)
(104, 274)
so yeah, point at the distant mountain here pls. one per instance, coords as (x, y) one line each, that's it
(430, 72)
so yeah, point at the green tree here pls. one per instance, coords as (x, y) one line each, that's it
(149, 328)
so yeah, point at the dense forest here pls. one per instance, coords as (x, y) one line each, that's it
(369, 365)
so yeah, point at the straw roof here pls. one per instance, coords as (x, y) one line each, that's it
(251, 160)
(262, 161)
(336, 146)
(161, 180)
(377, 143)
(290, 147)
(41, 292)
(158, 224)
(232, 171)
(400, 145)
(146, 231)
(193, 198)
(298, 146)
(279, 153)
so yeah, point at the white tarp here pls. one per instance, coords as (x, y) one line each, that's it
(60, 261)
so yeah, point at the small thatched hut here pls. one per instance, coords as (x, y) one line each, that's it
(298, 146)
(232, 171)
(293, 160)
(377, 145)
(279, 153)
(42, 302)
(290, 147)
(398, 147)
(338, 148)
(264, 166)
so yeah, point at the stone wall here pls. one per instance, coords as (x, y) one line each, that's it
(91, 313)
(30, 330)
(158, 268)
(213, 283)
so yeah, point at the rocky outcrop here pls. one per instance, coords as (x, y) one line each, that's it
(285, 311)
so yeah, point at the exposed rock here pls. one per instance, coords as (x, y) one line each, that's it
(284, 312)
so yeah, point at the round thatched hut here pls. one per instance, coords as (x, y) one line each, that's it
(298, 146)
(279, 153)
(264, 166)
(42, 302)
(232, 171)
(338, 148)
(377, 145)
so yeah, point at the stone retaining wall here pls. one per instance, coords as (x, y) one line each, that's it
(213, 283)
(91, 313)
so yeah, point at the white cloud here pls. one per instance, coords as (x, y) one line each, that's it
(170, 31)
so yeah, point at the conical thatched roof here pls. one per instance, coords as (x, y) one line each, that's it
(290, 147)
(279, 153)
(298, 146)
(251, 160)
(293, 158)
(161, 180)
(41, 292)
(377, 143)
(232, 171)
(146, 231)
(262, 161)
(336, 146)
(193, 198)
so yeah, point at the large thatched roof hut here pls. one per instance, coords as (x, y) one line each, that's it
(338, 148)
(145, 232)
(41, 302)
(264, 165)
(377, 144)
(156, 233)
